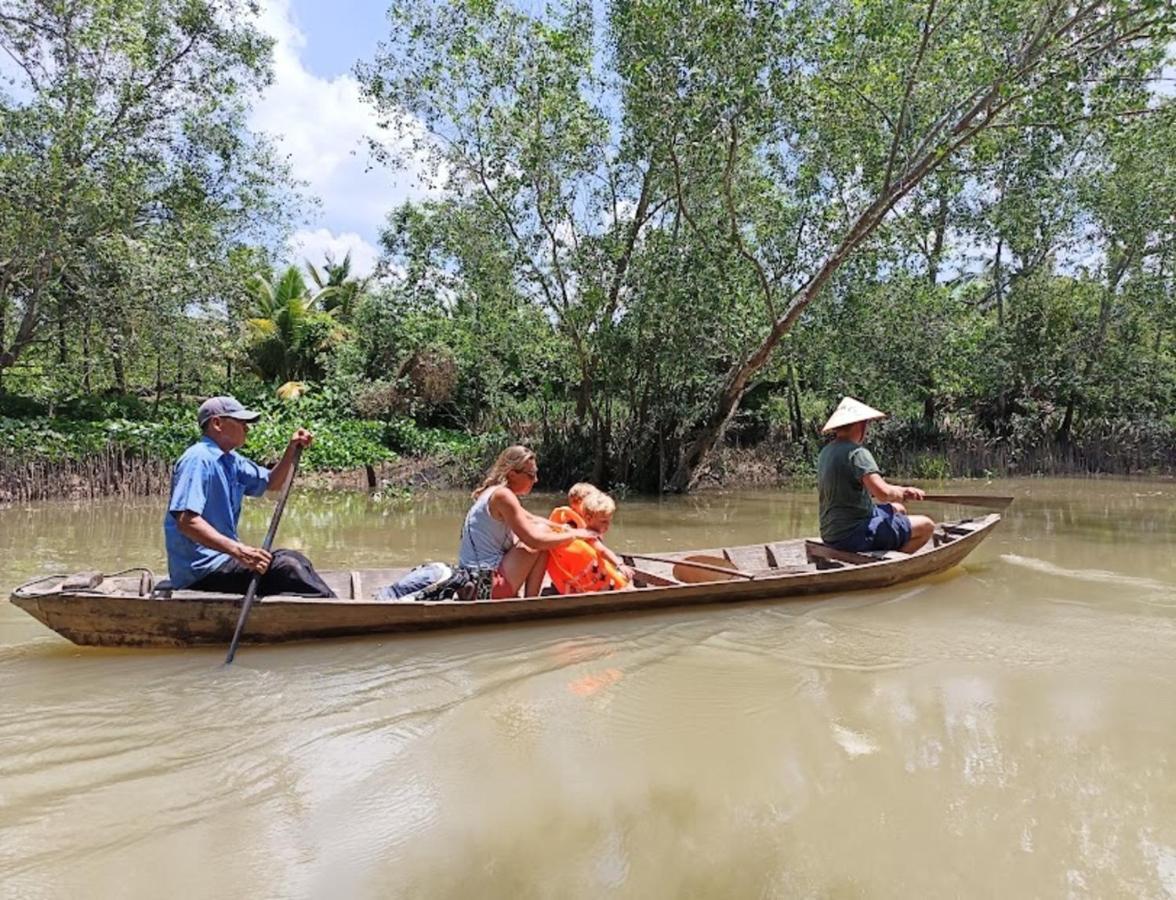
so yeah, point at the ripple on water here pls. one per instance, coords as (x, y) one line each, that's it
(1015, 710)
(1096, 576)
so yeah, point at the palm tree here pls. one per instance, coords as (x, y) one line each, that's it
(284, 344)
(337, 277)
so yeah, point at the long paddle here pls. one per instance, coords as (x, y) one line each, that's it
(689, 563)
(251, 592)
(987, 501)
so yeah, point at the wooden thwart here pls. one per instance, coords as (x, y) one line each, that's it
(817, 550)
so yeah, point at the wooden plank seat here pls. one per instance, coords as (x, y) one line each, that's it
(819, 552)
(753, 558)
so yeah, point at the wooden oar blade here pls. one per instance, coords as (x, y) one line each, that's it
(986, 501)
(689, 574)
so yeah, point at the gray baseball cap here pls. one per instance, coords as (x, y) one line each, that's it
(226, 407)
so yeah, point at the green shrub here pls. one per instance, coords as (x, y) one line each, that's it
(930, 466)
(96, 407)
(17, 406)
(340, 444)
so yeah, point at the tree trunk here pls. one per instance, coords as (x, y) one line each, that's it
(86, 355)
(25, 332)
(62, 348)
(935, 257)
(794, 403)
(158, 380)
(929, 405)
(1067, 422)
(117, 365)
(597, 447)
(703, 441)
(996, 285)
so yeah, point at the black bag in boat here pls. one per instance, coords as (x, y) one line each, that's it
(437, 581)
(416, 580)
(466, 583)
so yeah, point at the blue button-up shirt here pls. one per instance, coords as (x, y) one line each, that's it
(209, 482)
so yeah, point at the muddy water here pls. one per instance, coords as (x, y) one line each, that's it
(1007, 729)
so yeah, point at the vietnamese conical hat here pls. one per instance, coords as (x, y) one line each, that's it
(850, 411)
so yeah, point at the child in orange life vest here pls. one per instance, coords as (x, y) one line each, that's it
(576, 494)
(598, 511)
(582, 566)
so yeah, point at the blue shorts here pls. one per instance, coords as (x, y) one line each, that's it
(884, 530)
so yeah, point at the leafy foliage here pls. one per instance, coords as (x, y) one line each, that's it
(665, 226)
(674, 200)
(289, 331)
(127, 180)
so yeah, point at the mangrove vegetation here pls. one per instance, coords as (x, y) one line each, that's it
(660, 230)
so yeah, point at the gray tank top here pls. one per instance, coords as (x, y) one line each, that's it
(484, 540)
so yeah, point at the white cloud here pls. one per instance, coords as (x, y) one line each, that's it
(315, 245)
(321, 125)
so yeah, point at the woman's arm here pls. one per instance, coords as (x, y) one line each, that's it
(536, 533)
(885, 492)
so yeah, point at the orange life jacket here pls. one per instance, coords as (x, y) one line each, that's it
(579, 567)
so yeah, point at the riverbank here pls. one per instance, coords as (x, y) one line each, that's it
(55, 457)
(776, 464)
(116, 471)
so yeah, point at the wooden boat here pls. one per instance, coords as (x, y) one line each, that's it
(128, 610)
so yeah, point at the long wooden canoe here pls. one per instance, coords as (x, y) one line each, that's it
(127, 610)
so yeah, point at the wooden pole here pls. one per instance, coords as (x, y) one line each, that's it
(689, 564)
(251, 592)
(989, 501)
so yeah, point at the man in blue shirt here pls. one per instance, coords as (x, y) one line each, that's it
(200, 528)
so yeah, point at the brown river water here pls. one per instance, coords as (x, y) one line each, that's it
(1005, 729)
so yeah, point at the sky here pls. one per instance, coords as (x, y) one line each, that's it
(314, 114)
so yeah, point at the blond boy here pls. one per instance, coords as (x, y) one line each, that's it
(577, 493)
(598, 509)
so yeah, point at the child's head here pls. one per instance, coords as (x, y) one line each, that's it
(576, 494)
(598, 509)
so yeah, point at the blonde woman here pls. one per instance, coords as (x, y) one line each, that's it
(499, 535)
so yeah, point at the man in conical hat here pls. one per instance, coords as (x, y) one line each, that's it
(849, 482)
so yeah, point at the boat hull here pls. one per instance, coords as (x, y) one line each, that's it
(186, 619)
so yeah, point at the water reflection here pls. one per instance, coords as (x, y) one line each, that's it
(1002, 728)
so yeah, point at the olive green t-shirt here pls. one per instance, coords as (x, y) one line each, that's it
(844, 503)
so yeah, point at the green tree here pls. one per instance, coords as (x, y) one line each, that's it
(850, 108)
(125, 167)
(525, 143)
(757, 150)
(289, 331)
(340, 293)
